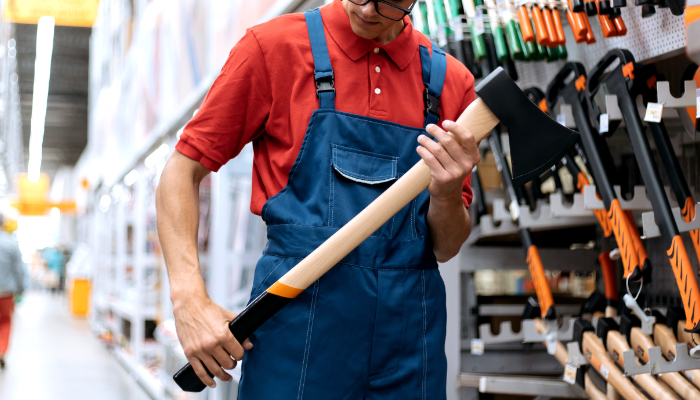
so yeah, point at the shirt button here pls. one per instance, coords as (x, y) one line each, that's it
(377, 91)
(376, 49)
(377, 69)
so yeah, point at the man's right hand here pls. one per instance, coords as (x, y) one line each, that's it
(202, 328)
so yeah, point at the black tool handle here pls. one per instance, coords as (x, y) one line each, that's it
(670, 161)
(251, 318)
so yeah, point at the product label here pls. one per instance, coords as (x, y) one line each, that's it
(603, 123)
(654, 111)
(561, 118)
(459, 29)
(604, 371)
(689, 376)
(570, 374)
(502, 8)
(479, 28)
(477, 347)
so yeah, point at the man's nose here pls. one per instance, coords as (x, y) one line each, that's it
(369, 10)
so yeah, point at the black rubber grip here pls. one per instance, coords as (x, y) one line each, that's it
(251, 318)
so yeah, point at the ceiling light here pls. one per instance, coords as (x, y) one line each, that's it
(157, 155)
(131, 177)
(42, 73)
(105, 202)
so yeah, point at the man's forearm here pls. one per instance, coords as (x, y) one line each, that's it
(450, 226)
(177, 205)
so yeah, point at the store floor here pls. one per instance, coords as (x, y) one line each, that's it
(54, 356)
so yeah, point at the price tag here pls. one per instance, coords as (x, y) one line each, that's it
(477, 347)
(501, 7)
(561, 118)
(604, 371)
(697, 103)
(441, 35)
(603, 124)
(688, 374)
(570, 374)
(479, 28)
(459, 29)
(654, 111)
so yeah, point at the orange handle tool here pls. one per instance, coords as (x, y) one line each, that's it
(578, 27)
(607, 265)
(623, 236)
(642, 257)
(590, 38)
(606, 24)
(600, 214)
(688, 213)
(543, 38)
(544, 293)
(525, 24)
(620, 26)
(558, 27)
(549, 26)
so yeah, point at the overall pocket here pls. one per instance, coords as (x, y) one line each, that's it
(359, 177)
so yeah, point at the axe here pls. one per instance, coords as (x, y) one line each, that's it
(537, 142)
(665, 337)
(621, 82)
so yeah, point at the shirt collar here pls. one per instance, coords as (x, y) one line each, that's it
(400, 50)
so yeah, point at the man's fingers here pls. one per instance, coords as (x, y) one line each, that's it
(467, 141)
(247, 344)
(429, 158)
(215, 362)
(201, 372)
(451, 144)
(439, 152)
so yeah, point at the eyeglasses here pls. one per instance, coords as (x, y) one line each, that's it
(387, 9)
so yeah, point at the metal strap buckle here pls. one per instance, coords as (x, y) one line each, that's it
(432, 104)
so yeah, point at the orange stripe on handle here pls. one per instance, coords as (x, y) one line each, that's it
(282, 290)
(623, 237)
(558, 27)
(688, 212)
(636, 239)
(608, 267)
(544, 293)
(549, 26)
(600, 214)
(540, 28)
(685, 279)
(525, 24)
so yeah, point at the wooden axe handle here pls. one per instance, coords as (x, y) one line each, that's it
(617, 345)
(592, 391)
(641, 343)
(664, 338)
(595, 352)
(477, 118)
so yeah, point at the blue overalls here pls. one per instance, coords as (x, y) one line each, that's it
(373, 327)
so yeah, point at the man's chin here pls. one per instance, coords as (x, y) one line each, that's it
(363, 32)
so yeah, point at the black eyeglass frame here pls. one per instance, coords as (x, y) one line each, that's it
(406, 11)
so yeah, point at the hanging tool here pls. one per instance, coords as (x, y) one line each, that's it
(482, 115)
(641, 344)
(669, 159)
(455, 39)
(534, 262)
(576, 22)
(601, 165)
(558, 26)
(621, 82)
(541, 32)
(525, 23)
(607, 265)
(476, 28)
(515, 42)
(499, 40)
(665, 337)
(608, 332)
(436, 12)
(594, 351)
(606, 24)
(549, 24)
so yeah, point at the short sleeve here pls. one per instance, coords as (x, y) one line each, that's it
(234, 110)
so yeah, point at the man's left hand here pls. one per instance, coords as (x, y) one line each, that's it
(450, 160)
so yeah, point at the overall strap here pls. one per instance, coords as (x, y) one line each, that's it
(323, 72)
(434, 70)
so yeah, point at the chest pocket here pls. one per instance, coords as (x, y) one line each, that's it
(358, 177)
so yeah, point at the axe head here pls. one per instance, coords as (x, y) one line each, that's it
(536, 141)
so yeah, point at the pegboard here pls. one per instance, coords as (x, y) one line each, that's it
(646, 38)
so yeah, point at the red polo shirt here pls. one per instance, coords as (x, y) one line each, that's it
(266, 94)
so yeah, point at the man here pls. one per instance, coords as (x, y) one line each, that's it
(11, 285)
(337, 103)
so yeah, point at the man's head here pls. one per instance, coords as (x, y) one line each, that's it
(368, 23)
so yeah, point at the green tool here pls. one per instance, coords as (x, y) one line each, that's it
(499, 40)
(476, 29)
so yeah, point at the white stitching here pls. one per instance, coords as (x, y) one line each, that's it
(384, 157)
(425, 345)
(331, 198)
(305, 361)
(392, 176)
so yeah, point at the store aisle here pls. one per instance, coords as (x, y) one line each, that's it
(54, 356)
